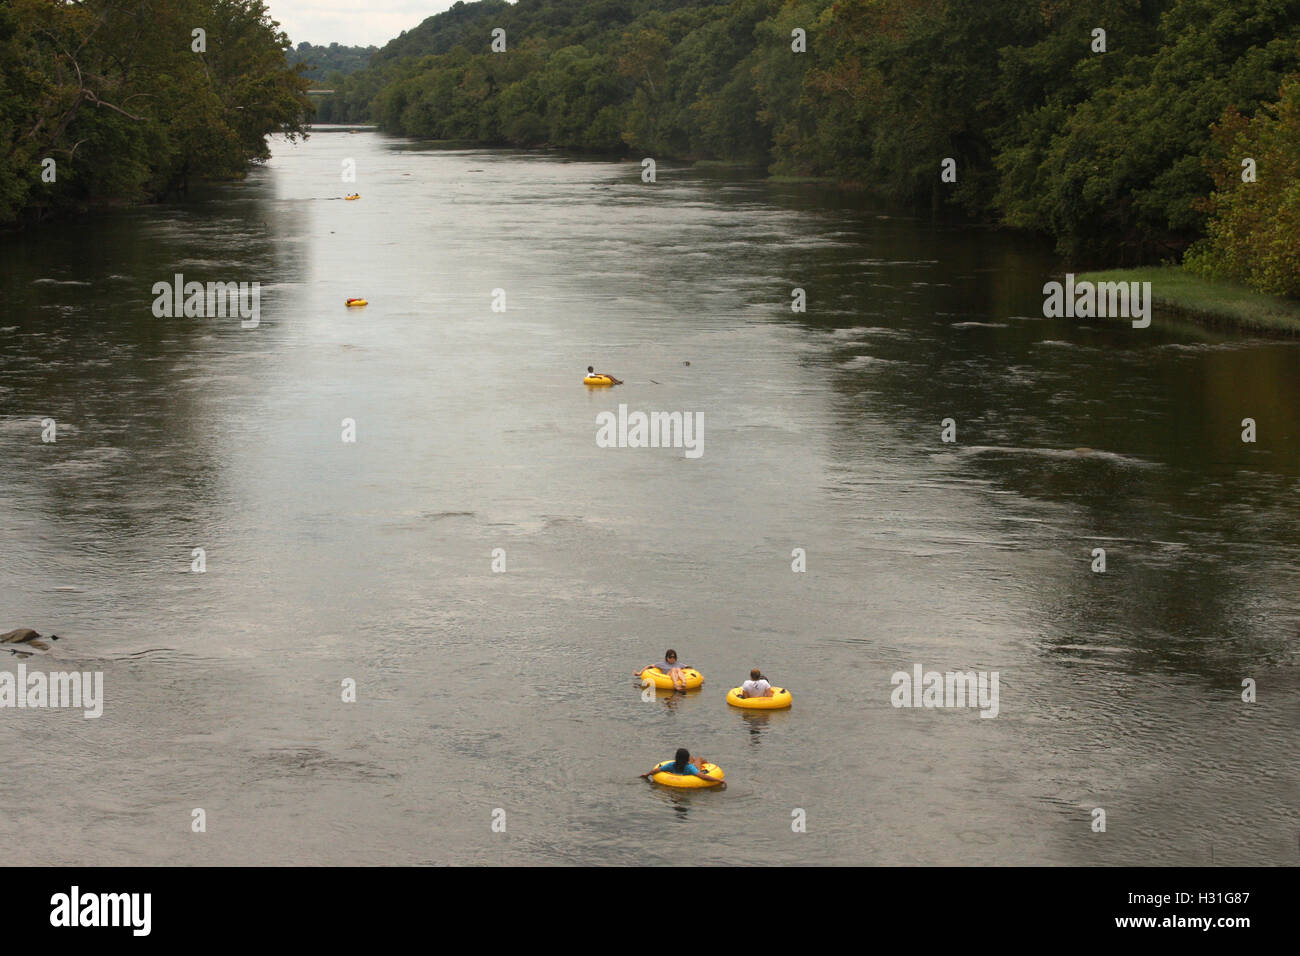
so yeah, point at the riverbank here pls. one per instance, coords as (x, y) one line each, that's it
(1222, 304)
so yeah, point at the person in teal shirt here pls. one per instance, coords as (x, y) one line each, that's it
(683, 765)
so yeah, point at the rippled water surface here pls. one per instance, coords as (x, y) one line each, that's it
(480, 690)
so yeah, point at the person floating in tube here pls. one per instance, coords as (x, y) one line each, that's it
(756, 686)
(591, 372)
(685, 765)
(670, 667)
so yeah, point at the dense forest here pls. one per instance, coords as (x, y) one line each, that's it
(106, 101)
(1124, 146)
(1128, 131)
(328, 64)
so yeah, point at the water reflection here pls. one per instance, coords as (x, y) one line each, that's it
(371, 559)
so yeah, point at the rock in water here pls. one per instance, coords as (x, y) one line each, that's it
(25, 635)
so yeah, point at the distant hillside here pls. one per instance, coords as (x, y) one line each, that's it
(325, 61)
(442, 31)
(1120, 141)
(561, 22)
(538, 26)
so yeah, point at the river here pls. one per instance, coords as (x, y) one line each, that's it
(479, 690)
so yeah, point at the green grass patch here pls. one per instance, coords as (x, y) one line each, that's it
(725, 164)
(1214, 303)
(801, 179)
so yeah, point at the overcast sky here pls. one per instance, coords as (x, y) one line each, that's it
(351, 22)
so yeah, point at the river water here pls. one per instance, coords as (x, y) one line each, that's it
(480, 690)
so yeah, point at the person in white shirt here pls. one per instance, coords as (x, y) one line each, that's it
(756, 686)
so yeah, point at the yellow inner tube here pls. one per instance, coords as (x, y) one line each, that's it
(598, 380)
(353, 303)
(779, 700)
(689, 781)
(690, 677)
(357, 196)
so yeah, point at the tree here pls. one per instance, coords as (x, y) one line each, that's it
(1254, 229)
(115, 94)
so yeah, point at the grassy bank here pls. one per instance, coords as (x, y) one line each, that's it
(800, 180)
(1214, 303)
(724, 164)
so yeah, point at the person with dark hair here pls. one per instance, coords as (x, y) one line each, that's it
(591, 371)
(684, 765)
(756, 686)
(670, 667)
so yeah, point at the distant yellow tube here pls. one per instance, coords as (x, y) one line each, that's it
(597, 381)
(779, 700)
(353, 303)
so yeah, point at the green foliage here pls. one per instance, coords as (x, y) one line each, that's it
(324, 63)
(1110, 153)
(112, 91)
(1254, 230)
(465, 24)
(1121, 166)
(1102, 150)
